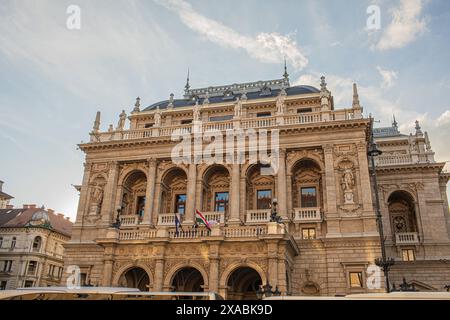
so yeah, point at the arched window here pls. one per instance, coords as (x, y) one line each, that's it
(13, 243)
(37, 244)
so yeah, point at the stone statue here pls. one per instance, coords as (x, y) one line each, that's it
(96, 199)
(157, 118)
(196, 112)
(348, 180)
(347, 184)
(122, 118)
(237, 108)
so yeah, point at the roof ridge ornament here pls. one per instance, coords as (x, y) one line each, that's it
(187, 86)
(285, 74)
(355, 104)
(96, 126)
(170, 105)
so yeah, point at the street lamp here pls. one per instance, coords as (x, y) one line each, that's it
(383, 263)
(117, 223)
(266, 291)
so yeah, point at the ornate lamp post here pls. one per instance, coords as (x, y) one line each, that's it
(117, 223)
(383, 263)
(273, 215)
(266, 291)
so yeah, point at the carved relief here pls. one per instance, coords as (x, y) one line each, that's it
(96, 192)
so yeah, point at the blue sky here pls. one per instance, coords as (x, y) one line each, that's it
(53, 80)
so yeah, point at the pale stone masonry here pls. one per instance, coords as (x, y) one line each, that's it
(31, 247)
(328, 236)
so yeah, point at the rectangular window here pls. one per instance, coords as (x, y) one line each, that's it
(28, 284)
(188, 121)
(221, 202)
(7, 265)
(263, 114)
(180, 203)
(304, 110)
(408, 255)
(264, 199)
(32, 266)
(308, 197)
(140, 206)
(83, 278)
(148, 125)
(308, 233)
(356, 280)
(3, 285)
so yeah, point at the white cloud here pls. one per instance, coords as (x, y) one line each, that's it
(405, 27)
(444, 118)
(265, 47)
(389, 77)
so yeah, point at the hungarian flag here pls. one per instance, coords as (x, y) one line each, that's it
(199, 218)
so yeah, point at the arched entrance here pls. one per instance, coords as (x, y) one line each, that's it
(188, 280)
(402, 212)
(135, 278)
(243, 284)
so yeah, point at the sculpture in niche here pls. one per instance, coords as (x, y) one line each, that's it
(96, 199)
(237, 108)
(196, 115)
(347, 184)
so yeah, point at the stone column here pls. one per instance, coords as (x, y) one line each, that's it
(107, 210)
(272, 249)
(199, 195)
(281, 184)
(156, 204)
(234, 188)
(282, 280)
(84, 194)
(365, 178)
(242, 198)
(150, 192)
(289, 195)
(214, 260)
(159, 275)
(108, 265)
(331, 191)
(190, 194)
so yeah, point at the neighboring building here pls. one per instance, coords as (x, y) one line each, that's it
(31, 247)
(4, 197)
(323, 188)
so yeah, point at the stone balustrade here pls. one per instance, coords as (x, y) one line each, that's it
(258, 216)
(129, 220)
(166, 219)
(305, 215)
(215, 216)
(246, 123)
(136, 234)
(407, 238)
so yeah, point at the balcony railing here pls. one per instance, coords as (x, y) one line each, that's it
(385, 160)
(265, 122)
(136, 234)
(214, 216)
(258, 216)
(189, 234)
(407, 238)
(305, 215)
(129, 220)
(166, 219)
(243, 232)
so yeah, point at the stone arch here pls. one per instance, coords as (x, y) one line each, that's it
(214, 178)
(173, 182)
(293, 161)
(204, 170)
(127, 172)
(402, 211)
(166, 168)
(409, 193)
(171, 274)
(130, 266)
(234, 266)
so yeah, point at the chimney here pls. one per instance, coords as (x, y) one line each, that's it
(51, 211)
(25, 206)
(31, 206)
(9, 206)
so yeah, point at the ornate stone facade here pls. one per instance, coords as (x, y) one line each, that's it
(328, 232)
